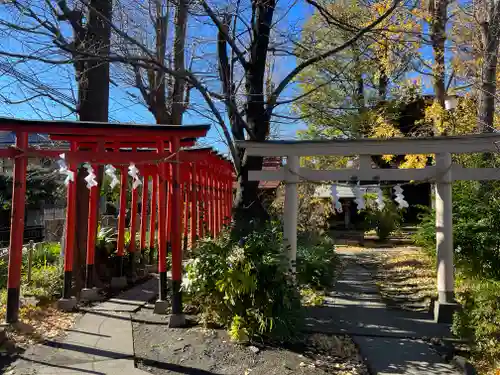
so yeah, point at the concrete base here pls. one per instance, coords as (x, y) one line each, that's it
(177, 321)
(152, 268)
(161, 307)
(66, 304)
(90, 295)
(443, 311)
(118, 282)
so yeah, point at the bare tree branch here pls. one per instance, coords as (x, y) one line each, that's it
(223, 30)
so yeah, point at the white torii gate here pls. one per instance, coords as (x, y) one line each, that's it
(442, 174)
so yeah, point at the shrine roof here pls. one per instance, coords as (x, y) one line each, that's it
(103, 129)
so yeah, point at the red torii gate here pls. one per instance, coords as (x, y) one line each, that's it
(207, 180)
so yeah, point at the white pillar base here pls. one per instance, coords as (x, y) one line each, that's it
(177, 321)
(444, 311)
(66, 304)
(161, 307)
(90, 295)
(118, 282)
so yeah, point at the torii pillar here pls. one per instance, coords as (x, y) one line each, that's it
(446, 304)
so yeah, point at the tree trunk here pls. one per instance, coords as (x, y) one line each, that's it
(178, 92)
(438, 36)
(93, 101)
(439, 14)
(383, 83)
(490, 35)
(248, 209)
(248, 206)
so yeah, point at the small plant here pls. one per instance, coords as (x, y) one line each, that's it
(479, 320)
(311, 297)
(384, 221)
(46, 282)
(106, 239)
(43, 254)
(4, 270)
(245, 286)
(425, 236)
(313, 213)
(317, 262)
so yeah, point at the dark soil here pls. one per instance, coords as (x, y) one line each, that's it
(161, 350)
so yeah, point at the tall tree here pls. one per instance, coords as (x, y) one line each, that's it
(347, 86)
(165, 96)
(488, 16)
(92, 37)
(438, 10)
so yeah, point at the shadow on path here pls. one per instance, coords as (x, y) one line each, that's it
(391, 341)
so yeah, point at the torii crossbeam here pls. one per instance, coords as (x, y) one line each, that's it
(443, 173)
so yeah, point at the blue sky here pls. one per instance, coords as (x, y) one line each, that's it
(121, 107)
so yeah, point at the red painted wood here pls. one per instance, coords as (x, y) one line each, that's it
(122, 213)
(92, 222)
(211, 212)
(194, 205)
(69, 242)
(217, 200)
(185, 198)
(17, 214)
(176, 214)
(144, 209)
(169, 205)
(162, 217)
(202, 203)
(152, 219)
(101, 129)
(133, 219)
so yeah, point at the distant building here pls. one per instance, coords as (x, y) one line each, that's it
(8, 139)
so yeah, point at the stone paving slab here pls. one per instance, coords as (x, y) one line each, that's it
(119, 366)
(390, 340)
(387, 356)
(100, 343)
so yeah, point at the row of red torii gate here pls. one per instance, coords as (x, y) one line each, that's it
(191, 197)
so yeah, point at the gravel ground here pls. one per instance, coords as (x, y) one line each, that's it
(161, 350)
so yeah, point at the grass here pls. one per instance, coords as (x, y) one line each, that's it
(39, 319)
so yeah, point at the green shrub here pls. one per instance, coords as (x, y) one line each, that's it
(106, 239)
(425, 236)
(4, 270)
(43, 254)
(476, 230)
(384, 221)
(317, 262)
(245, 287)
(311, 297)
(313, 213)
(46, 282)
(479, 320)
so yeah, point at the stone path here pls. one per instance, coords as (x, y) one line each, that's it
(100, 343)
(391, 341)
